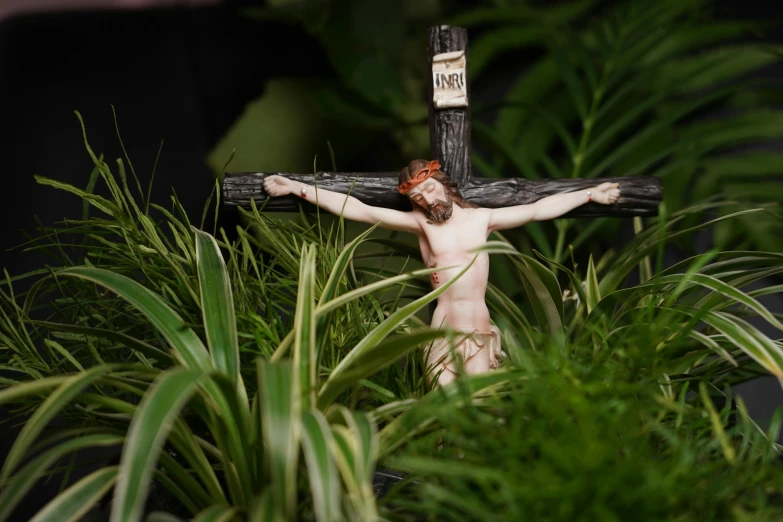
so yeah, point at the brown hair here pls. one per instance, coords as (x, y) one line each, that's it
(416, 165)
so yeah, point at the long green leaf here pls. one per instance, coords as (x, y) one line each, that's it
(23, 389)
(744, 336)
(324, 482)
(147, 432)
(219, 513)
(648, 241)
(408, 424)
(73, 503)
(102, 204)
(13, 492)
(279, 407)
(186, 344)
(217, 304)
(341, 266)
(366, 436)
(264, 509)
(337, 302)
(592, 290)
(726, 290)
(181, 482)
(68, 391)
(336, 275)
(231, 430)
(304, 359)
(543, 292)
(373, 360)
(355, 452)
(104, 333)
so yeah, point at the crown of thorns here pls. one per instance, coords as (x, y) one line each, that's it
(424, 173)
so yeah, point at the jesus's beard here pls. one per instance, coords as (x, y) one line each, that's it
(442, 212)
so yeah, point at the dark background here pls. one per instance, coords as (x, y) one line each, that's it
(180, 75)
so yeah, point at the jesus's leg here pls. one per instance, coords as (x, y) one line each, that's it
(476, 349)
(440, 362)
(485, 354)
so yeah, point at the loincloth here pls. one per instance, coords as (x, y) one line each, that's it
(468, 344)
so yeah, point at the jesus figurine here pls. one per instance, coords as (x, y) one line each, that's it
(448, 228)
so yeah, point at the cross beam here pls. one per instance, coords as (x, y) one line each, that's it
(449, 117)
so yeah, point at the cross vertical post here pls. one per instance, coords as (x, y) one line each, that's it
(449, 123)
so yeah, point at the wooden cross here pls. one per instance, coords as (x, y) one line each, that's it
(449, 116)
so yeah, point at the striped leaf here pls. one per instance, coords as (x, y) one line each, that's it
(408, 423)
(73, 503)
(355, 450)
(231, 431)
(745, 336)
(341, 266)
(501, 303)
(364, 431)
(648, 241)
(548, 313)
(549, 280)
(148, 430)
(113, 335)
(69, 390)
(218, 513)
(490, 247)
(279, 407)
(13, 492)
(730, 293)
(337, 302)
(304, 359)
(217, 305)
(593, 290)
(186, 344)
(181, 482)
(264, 509)
(374, 359)
(326, 394)
(324, 482)
(541, 286)
(23, 389)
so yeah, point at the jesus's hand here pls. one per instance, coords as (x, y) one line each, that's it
(606, 193)
(278, 186)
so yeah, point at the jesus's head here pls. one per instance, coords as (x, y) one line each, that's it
(430, 190)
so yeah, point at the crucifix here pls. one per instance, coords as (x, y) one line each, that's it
(453, 212)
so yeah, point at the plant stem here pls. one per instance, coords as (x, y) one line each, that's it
(562, 228)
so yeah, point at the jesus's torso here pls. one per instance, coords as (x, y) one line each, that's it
(447, 244)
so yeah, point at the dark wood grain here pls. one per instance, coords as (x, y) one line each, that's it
(449, 128)
(450, 145)
(639, 196)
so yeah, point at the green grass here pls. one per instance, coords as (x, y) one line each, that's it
(268, 376)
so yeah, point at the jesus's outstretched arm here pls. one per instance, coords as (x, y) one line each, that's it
(552, 207)
(342, 204)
